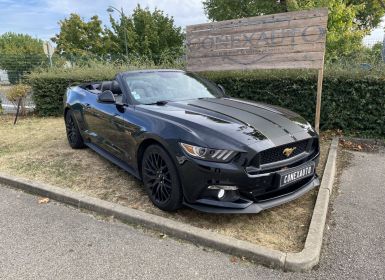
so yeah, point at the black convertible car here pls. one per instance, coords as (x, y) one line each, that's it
(192, 145)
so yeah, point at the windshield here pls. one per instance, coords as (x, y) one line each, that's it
(152, 87)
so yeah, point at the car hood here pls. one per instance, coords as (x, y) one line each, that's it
(217, 121)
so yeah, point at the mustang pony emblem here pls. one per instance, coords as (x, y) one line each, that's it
(288, 151)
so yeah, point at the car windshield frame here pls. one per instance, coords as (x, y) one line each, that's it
(165, 89)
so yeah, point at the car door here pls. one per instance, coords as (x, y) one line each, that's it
(104, 123)
(126, 128)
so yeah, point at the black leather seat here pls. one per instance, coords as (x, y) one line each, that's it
(115, 88)
(106, 86)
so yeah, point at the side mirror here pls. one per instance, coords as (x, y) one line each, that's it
(222, 88)
(106, 97)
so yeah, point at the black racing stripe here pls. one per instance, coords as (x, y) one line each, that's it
(261, 116)
(272, 131)
(277, 118)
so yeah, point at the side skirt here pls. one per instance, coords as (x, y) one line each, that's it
(113, 159)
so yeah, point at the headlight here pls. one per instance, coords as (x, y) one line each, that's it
(208, 154)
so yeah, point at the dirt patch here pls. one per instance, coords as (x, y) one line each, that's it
(359, 145)
(37, 149)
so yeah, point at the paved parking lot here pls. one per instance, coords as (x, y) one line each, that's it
(53, 241)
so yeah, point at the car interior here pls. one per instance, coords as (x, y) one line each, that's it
(100, 87)
(141, 90)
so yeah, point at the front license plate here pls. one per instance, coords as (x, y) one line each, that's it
(295, 174)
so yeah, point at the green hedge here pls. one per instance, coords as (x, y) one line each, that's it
(351, 101)
(49, 85)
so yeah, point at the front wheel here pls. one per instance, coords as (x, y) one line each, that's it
(160, 179)
(73, 134)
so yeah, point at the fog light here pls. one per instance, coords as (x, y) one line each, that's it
(221, 194)
(220, 187)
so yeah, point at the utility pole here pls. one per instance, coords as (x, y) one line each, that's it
(123, 23)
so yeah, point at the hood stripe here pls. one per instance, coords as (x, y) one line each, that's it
(258, 115)
(278, 118)
(274, 133)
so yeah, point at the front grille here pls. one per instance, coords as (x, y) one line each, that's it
(276, 154)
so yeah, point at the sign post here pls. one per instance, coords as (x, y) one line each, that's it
(48, 50)
(319, 98)
(294, 40)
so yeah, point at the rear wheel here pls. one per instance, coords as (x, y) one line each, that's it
(73, 134)
(160, 179)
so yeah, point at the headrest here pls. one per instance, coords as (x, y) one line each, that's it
(115, 88)
(106, 86)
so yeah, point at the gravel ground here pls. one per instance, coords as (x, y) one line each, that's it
(53, 241)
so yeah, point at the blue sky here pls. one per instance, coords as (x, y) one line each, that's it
(39, 18)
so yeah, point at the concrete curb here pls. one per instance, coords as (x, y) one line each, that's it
(309, 256)
(301, 261)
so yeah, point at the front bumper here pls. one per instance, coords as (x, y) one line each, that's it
(256, 207)
(256, 192)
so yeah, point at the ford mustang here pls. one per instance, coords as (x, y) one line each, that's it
(193, 145)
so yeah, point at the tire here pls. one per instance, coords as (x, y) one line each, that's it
(73, 134)
(160, 179)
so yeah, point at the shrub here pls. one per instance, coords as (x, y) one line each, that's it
(18, 93)
(353, 100)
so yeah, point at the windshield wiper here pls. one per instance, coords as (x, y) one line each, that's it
(159, 103)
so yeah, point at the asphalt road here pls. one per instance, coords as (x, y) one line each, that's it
(53, 241)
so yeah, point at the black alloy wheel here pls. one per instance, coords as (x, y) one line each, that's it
(73, 134)
(160, 179)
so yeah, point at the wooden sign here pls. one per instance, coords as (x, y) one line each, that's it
(287, 40)
(280, 41)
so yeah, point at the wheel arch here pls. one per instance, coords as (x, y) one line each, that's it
(142, 147)
(148, 141)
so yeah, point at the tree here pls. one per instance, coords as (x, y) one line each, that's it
(78, 37)
(218, 10)
(116, 36)
(372, 55)
(370, 15)
(19, 54)
(349, 20)
(150, 34)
